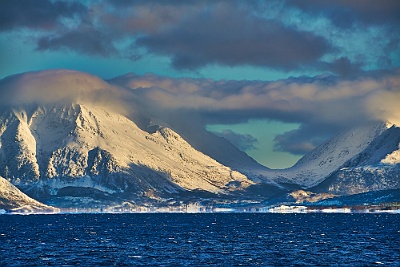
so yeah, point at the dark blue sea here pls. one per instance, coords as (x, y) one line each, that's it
(200, 240)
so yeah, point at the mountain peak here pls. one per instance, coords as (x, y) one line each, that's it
(87, 146)
(389, 124)
(373, 143)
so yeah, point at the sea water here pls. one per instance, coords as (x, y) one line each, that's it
(224, 239)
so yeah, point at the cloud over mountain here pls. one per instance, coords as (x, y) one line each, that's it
(57, 86)
(322, 105)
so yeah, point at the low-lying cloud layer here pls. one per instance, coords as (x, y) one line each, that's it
(321, 105)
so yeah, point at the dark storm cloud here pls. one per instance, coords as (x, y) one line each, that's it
(35, 14)
(303, 140)
(86, 40)
(244, 142)
(229, 36)
(346, 13)
(193, 34)
(343, 67)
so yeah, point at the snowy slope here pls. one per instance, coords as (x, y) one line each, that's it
(66, 143)
(310, 171)
(64, 133)
(376, 143)
(360, 160)
(87, 146)
(224, 152)
(12, 199)
(383, 150)
(375, 168)
(194, 133)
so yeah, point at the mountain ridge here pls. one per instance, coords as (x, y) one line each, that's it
(61, 148)
(339, 151)
(85, 145)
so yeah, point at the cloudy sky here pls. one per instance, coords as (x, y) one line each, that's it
(274, 77)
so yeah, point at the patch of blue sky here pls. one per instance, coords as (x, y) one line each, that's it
(264, 131)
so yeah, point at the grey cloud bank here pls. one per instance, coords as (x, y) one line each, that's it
(197, 34)
(217, 36)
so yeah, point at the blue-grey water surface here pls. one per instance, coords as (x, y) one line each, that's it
(200, 240)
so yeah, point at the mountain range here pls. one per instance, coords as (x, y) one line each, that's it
(68, 140)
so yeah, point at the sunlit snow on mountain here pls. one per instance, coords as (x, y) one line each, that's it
(70, 138)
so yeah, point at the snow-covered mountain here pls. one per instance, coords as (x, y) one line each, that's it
(49, 147)
(66, 135)
(362, 159)
(376, 167)
(13, 200)
(208, 143)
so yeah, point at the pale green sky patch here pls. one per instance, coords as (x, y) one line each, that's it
(264, 131)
